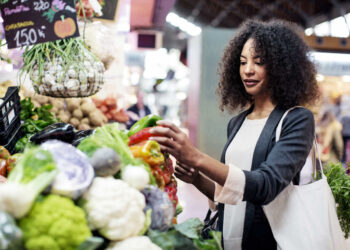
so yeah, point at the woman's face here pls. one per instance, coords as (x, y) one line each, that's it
(252, 70)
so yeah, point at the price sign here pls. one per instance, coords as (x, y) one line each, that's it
(29, 22)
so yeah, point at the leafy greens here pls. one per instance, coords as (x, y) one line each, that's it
(186, 235)
(339, 183)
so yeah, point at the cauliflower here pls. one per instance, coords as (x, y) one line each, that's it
(134, 243)
(54, 223)
(114, 208)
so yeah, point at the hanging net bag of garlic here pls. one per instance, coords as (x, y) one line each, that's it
(63, 68)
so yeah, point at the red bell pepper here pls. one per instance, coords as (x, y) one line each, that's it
(142, 135)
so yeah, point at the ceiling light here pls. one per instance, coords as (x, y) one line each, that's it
(183, 24)
(309, 31)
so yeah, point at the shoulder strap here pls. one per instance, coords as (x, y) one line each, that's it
(317, 165)
(279, 126)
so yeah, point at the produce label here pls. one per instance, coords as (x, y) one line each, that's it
(29, 22)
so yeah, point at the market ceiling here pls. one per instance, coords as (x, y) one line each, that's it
(230, 13)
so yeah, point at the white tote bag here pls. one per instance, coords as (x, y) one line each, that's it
(304, 217)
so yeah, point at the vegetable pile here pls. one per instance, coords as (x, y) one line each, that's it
(63, 68)
(149, 151)
(101, 194)
(339, 183)
(80, 112)
(109, 108)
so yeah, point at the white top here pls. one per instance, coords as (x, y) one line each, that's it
(239, 156)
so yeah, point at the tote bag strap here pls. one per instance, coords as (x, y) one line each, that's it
(315, 151)
(317, 156)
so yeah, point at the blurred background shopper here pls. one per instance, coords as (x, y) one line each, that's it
(264, 71)
(331, 140)
(138, 110)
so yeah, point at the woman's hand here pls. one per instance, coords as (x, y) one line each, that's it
(186, 173)
(176, 143)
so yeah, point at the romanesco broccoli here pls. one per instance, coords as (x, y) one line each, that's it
(54, 223)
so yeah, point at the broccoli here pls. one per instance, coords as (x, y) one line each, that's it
(54, 223)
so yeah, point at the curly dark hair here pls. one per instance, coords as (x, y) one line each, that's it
(291, 74)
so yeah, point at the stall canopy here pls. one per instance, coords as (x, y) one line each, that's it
(230, 13)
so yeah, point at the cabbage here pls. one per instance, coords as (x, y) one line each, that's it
(162, 208)
(75, 171)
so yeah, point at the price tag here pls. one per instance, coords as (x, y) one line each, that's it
(29, 22)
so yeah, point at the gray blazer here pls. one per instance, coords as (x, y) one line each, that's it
(273, 167)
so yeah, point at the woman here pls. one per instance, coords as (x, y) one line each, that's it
(265, 67)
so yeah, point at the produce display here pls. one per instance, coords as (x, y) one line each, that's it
(63, 68)
(77, 181)
(102, 194)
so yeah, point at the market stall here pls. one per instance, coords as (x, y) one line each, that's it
(71, 175)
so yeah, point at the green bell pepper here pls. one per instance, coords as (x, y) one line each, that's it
(145, 122)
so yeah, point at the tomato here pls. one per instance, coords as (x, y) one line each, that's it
(4, 153)
(157, 173)
(171, 190)
(169, 164)
(3, 167)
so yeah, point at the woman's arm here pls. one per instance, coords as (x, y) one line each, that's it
(199, 180)
(205, 185)
(176, 142)
(230, 180)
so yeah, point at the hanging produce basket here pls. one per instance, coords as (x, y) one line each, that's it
(64, 68)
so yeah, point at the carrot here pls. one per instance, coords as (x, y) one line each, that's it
(103, 108)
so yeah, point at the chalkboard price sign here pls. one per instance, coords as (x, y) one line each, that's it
(29, 22)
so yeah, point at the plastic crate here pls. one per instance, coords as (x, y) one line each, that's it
(6, 135)
(10, 146)
(10, 108)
